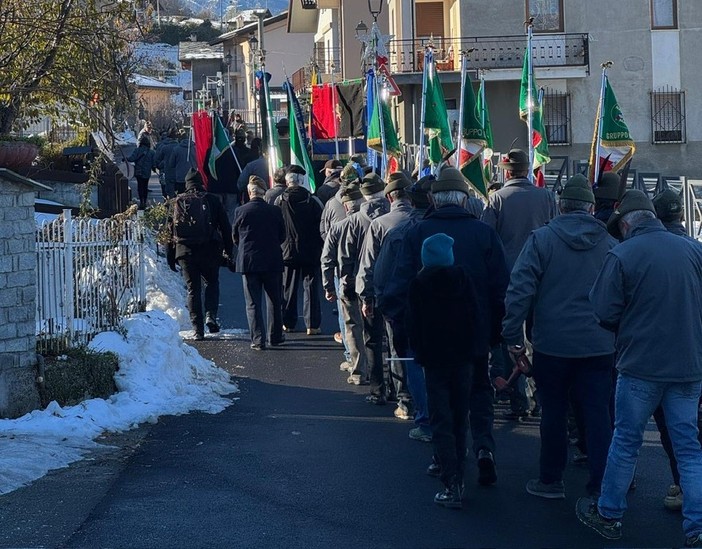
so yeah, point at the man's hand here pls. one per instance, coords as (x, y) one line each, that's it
(367, 309)
(330, 296)
(515, 351)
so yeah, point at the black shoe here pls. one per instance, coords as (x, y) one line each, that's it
(434, 469)
(379, 400)
(487, 475)
(211, 324)
(450, 497)
(279, 342)
(515, 415)
(199, 336)
(258, 346)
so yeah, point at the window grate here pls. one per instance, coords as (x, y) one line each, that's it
(668, 115)
(556, 113)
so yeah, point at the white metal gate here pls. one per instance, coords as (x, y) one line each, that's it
(90, 275)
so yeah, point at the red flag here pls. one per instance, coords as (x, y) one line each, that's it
(202, 134)
(323, 115)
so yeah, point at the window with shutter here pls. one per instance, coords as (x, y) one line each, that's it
(430, 20)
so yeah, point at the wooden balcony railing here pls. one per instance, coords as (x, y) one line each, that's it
(491, 52)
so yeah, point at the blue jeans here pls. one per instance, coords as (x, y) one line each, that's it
(636, 400)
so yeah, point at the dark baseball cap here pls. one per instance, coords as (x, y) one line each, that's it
(332, 164)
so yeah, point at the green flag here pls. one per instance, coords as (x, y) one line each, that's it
(436, 118)
(538, 137)
(473, 142)
(392, 145)
(298, 151)
(220, 143)
(616, 146)
(485, 119)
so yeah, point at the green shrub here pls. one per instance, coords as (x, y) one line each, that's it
(77, 375)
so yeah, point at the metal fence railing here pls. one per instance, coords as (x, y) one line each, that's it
(90, 275)
(490, 52)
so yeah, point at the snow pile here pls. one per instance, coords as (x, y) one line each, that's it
(165, 289)
(157, 376)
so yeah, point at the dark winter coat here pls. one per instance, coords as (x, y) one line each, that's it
(274, 193)
(143, 158)
(649, 292)
(163, 151)
(476, 248)
(333, 212)
(221, 240)
(179, 162)
(227, 175)
(329, 188)
(553, 277)
(301, 214)
(515, 210)
(258, 232)
(442, 317)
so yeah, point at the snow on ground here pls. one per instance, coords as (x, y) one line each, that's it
(157, 376)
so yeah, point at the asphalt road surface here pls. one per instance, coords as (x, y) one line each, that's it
(301, 460)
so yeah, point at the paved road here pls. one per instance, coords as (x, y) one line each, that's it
(301, 460)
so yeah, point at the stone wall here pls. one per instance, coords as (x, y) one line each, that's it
(18, 265)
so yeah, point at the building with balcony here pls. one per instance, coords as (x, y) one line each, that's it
(336, 51)
(653, 44)
(241, 54)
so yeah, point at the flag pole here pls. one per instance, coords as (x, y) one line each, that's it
(425, 75)
(375, 33)
(272, 157)
(461, 107)
(600, 119)
(334, 108)
(530, 99)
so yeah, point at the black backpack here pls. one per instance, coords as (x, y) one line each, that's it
(192, 219)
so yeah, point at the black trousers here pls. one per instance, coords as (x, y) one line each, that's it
(142, 188)
(311, 309)
(255, 284)
(448, 392)
(482, 407)
(196, 268)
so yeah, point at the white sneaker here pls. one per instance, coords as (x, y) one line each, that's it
(345, 366)
(401, 413)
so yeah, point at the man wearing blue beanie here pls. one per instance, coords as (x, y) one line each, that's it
(441, 322)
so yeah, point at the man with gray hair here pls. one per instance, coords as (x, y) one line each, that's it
(649, 293)
(302, 248)
(400, 211)
(258, 232)
(552, 277)
(477, 249)
(349, 305)
(375, 205)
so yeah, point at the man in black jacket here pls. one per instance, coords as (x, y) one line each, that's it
(478, 250)
(259, 232)
(198, 247)
(332, 182)
(302, 249)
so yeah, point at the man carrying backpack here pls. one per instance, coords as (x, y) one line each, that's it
(200, 235)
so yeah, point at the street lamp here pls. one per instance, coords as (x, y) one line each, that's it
(253, 48)
(228, 61)
(375, 7)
